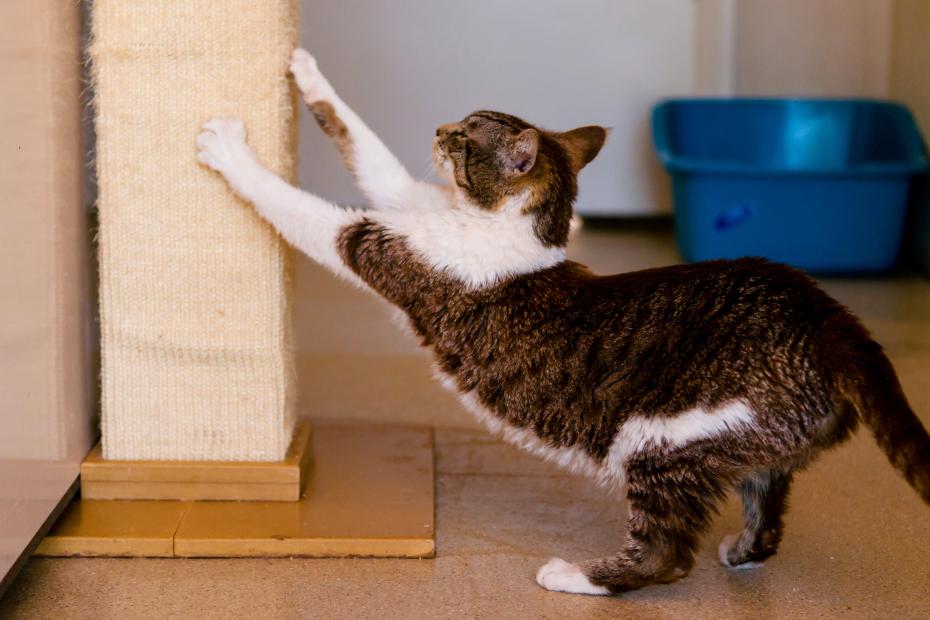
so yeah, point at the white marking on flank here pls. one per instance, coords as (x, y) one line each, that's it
(669, 432)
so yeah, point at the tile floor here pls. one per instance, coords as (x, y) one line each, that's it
(857, 543)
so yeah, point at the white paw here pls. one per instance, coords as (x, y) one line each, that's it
(560, 576)
(725, 545)
(309, 80)
(222, 144)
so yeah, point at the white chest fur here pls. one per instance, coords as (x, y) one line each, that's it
(476, 247)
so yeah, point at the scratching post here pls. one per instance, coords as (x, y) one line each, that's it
(194, 287)
(198, 375)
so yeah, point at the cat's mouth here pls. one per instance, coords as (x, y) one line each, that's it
(441, 161)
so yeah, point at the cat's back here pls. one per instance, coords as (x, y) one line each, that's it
(752, 289)
(740, 297)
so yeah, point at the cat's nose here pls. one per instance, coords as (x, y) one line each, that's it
(445, 130)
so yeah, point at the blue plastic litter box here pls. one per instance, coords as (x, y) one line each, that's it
(819, 184)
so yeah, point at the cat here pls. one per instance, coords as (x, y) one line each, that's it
(677, 383)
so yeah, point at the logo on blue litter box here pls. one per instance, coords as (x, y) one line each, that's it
(733, 217)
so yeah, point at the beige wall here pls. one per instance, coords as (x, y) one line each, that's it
(714, 44)
(910, 83)
(832, 48)
(45, 366)
(910, 58)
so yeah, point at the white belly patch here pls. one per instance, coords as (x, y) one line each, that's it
(636, 434)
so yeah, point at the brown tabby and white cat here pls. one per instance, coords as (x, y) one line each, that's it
(678, 383)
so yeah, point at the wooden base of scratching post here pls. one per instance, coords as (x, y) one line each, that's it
(369, 493)
(199, 480)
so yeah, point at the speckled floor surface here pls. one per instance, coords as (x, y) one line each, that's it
(857, 543)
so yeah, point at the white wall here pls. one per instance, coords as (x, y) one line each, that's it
(408, 66)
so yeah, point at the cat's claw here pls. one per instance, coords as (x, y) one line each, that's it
(310, 81)
(222, 143)
(558, 575)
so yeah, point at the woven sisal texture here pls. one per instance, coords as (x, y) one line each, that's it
(194, 287)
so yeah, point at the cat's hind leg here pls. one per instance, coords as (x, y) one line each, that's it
(671, 499)
(765, 499)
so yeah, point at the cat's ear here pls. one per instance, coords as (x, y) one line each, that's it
(521, 155)
(583, 144)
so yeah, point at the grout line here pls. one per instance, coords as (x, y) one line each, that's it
(474, 474)
(174, 535)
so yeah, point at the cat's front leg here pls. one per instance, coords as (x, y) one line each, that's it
(380, 176)
(308, 222)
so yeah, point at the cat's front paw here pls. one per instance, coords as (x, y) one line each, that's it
(307, 75)
(222, 144)
(560, 576)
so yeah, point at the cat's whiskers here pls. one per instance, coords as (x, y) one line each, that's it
(429, 169)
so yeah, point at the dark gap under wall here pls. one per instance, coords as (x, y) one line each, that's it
(917, 226)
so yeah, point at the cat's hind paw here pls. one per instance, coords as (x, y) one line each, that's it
(222, 144)
(310, 81)
(726, 557)
(560, 576)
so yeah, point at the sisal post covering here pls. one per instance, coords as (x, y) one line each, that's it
(194, 287)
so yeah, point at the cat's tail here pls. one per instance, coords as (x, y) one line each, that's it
(884, 409)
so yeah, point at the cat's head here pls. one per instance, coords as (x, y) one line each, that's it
(492, 158)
